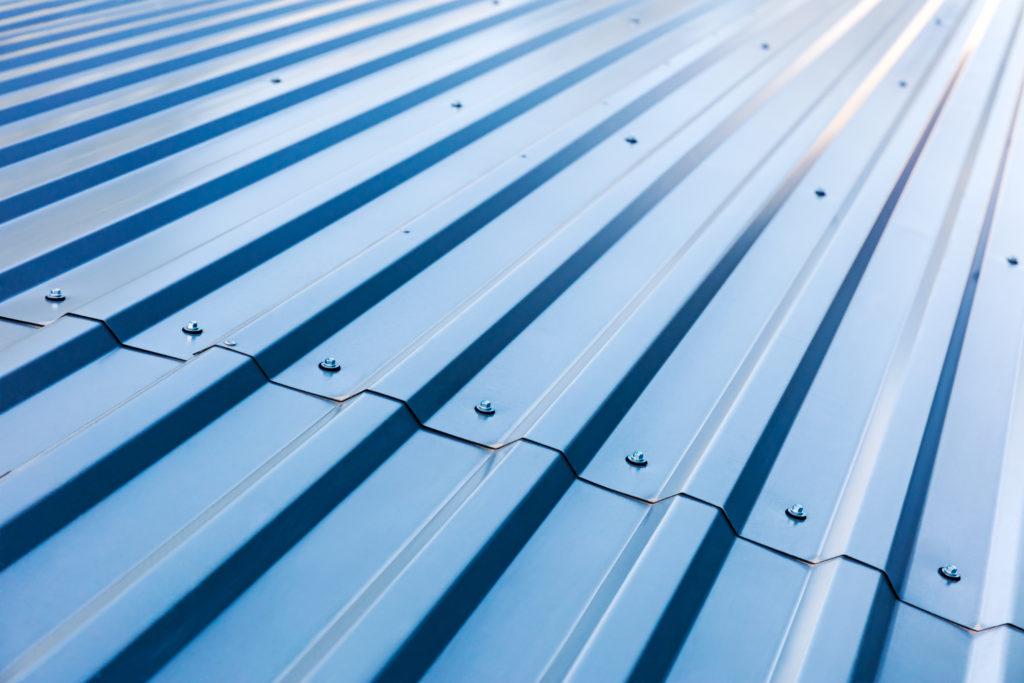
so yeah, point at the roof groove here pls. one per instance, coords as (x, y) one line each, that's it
(84, 129)
(133, 227)
(86, 8)
(56, 36)
(765, 243)
(76, 94)
(736, 531)
(911, 515)
(409, 415)
(130, 51)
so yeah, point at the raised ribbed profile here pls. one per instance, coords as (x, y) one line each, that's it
(331, 331)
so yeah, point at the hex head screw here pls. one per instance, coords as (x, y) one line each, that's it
(951, 572)
(637, 459)
(192, 327)
(55, 294)
(484, 407)
(796, 512)
(330, 364)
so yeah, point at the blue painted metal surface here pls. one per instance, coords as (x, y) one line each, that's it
(773, 245)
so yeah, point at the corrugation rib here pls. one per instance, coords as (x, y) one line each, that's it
(686, 228)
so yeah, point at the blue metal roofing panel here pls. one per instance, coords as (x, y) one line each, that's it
(773, 246)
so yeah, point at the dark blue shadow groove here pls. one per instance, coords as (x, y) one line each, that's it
(446, 617)
(106, 39)
(62, 70)
(25, 381)
(596, 431)
(66, 502)
(7, 14)
(294, 231)
(88, 9)
(682, 609)
(53, 36)
(301, 338)
(752, 478)
(170, 633)
(875, 634)
(98, 124)
(79, 93)
(61, 188)
(911, 512)
(444, 384)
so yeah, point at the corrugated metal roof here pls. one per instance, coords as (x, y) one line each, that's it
(771, 245)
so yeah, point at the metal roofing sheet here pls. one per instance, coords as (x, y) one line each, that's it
(773, 246)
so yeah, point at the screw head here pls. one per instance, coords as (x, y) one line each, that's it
(485, 407)
(55, 294)
(765, 46)
(637, 459)
(903, 84)
(330, 364)
(192, 327)
(1012, 260)
(631, 140)
(796, 511)
(819, 193)
(456, 105)
(951, 572)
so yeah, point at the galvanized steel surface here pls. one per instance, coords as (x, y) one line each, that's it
(511, 340)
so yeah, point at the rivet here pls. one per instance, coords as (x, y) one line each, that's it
(765, 46)
(275, 80)
(819, 192)
(903, 84)
(637, 459)
(631, 140)
(330, 364)
(192, 327)
(485, 407)
(55, 294)
(797, 512)
(456, 105)
(1012, 260)
(950, 571)
(634, 20)
(230, 342)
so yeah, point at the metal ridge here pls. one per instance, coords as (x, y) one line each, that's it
(511, 339)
